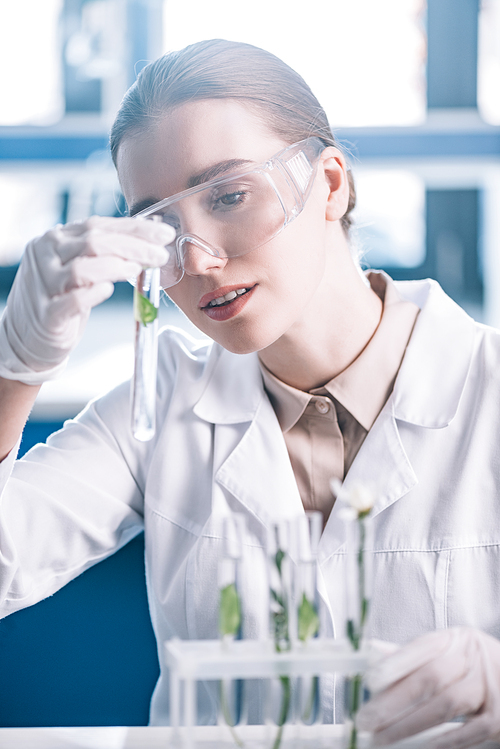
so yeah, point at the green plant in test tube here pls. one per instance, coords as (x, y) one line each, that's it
(308, 626)
(146, 303)
(308, 530)
(360, 503)
(230, 609)
(308, 620)
(145, 311)
(229, 626)
(280, 624)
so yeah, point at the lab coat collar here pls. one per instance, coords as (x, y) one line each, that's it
(382, 464)
(442, 342)
(427, 392)
(235, 395)
(234, 389)
(436, 364)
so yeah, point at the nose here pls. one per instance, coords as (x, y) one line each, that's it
(197, 261)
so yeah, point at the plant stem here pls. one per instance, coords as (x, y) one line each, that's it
(354, 685)
(361, 565)
(306, 715)
(353, 740)
(281, 633)
(355, 633)
(355, 700)
(285, 706)
(227, 717)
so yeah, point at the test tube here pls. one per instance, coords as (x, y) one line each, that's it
(232, 691)
(358, 588)
(307, 532)
(146, 303)
(359, 554)
(279, 697)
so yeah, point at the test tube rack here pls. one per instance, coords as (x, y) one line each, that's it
(192, 660)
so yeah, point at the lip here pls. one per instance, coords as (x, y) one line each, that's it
(207, 298)
(233, 308)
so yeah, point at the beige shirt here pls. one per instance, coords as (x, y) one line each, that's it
(324, 428)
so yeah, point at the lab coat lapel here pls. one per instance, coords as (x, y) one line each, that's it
(250, 457)
(437, 362)
(258, 471)
(426, 394)
(381, 463)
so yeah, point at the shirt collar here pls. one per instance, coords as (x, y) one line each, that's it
(364, 386)
(289, 403)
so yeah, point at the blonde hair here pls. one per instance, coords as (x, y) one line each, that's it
(219, 69)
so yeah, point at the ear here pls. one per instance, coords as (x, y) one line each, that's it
(335, 171)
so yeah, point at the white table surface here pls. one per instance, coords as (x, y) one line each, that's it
(211, 737)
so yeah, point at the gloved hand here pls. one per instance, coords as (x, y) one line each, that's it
(435, 678)
(62, 275)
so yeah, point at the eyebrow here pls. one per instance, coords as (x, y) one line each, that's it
(216, 170)
(222, 167)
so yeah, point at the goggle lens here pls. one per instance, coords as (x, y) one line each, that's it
(234, 215)
(232, 218)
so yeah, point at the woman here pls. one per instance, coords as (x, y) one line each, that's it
(315, 371)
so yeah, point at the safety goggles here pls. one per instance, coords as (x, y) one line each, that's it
(238, 213)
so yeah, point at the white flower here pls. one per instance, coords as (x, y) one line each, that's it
(359, 497)
(347, 513)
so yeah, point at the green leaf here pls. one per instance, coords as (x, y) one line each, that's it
(279, 558)
(277, 598)
(280, 626)
(365, 603)
(352, 634)
(354, 691)
(308, 619)
(229, 610)
(144, 310)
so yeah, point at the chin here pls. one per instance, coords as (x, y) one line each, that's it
(247, 344)
(240, 347)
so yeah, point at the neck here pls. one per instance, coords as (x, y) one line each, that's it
(337, 324)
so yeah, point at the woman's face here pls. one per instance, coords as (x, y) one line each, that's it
(282, 276)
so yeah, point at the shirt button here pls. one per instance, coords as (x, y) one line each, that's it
(322, 406)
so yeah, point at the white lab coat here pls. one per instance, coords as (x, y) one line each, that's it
(432, 454)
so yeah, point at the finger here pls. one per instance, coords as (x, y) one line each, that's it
(97, 243)
(79, 301)
(409, 658)
(154, 231)
(474, 732)
(380, 649)
(456, 700)
(87, 271)
(425, 688)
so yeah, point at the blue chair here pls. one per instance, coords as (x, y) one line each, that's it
(87, 655)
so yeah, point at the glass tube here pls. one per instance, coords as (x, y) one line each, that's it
(359, 548)
(232, 691)
(307, 533)
(146, 303)
(279, 698)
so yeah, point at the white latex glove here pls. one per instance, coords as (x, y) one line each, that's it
(62, 275)
(432, 680)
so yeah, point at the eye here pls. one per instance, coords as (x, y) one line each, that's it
(229, 199)
(172, 220)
